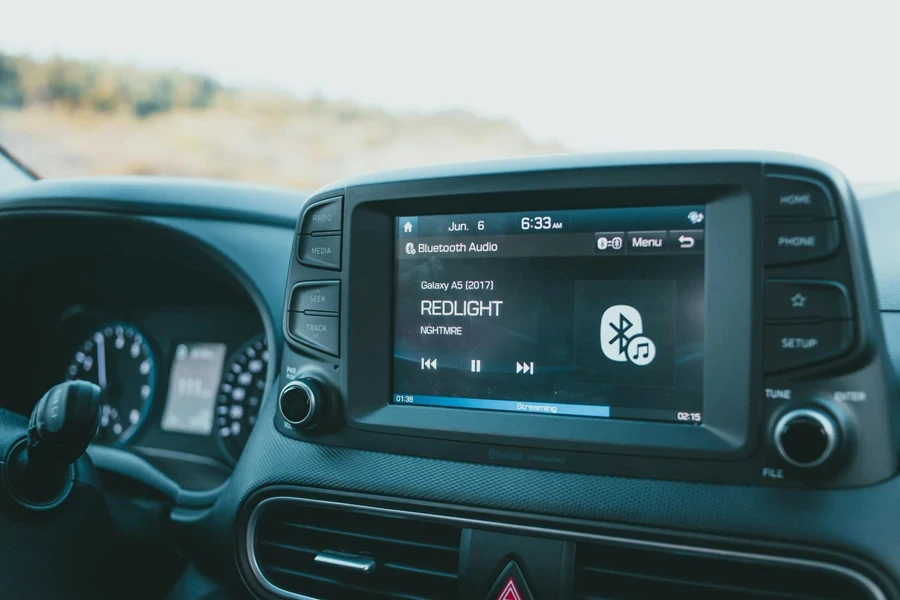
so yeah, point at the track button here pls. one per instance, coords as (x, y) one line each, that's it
(322, 333)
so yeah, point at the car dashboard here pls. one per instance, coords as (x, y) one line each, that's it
(568, 377)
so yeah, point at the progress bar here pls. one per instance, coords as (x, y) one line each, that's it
(578, 410)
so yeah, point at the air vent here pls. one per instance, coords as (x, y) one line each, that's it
(360, 555)
(616, 573)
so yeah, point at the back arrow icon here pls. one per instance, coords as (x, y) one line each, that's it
(686, 241)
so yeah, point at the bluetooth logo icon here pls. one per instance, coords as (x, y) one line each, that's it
(621, 332)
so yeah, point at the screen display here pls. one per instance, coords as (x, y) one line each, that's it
(591, 313)
(193, 383)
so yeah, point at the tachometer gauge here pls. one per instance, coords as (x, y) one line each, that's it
(240, 394)
(118, 358)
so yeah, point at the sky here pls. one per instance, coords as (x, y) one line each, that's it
(818, 78)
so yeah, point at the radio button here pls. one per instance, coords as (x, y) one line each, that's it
(322, 251)
(320, 296)
(787, 299)
(320, 332)
(788, 196)
(793, 346)
(787, 243)
(323, 216)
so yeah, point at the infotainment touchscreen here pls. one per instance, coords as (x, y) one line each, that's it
(589, 313)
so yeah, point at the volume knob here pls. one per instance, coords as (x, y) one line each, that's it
(806, 437)
(301, 402)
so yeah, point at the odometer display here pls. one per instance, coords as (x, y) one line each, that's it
(118, 358)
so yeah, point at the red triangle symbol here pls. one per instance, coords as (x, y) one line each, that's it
(510, 591)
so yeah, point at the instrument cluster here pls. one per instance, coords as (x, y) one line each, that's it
(187, 379)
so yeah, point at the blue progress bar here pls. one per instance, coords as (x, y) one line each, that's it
(580, 410)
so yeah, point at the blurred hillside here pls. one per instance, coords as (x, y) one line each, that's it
(66, 117)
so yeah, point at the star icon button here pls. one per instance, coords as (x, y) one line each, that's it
(798, 300)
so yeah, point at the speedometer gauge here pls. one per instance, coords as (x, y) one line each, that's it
(240, 394)
(118, 358)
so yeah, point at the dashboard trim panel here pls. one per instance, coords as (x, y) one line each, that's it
(575, 536)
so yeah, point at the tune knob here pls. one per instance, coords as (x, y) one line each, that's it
(302, 402)
(806, 437)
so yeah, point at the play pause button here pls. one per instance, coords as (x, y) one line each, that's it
(476, 366)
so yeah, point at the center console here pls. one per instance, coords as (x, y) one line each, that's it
(663, 317)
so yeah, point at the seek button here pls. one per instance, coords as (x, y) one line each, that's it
(319, 296)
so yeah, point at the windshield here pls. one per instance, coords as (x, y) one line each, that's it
(299, 94)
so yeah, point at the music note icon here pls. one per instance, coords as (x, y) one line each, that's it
(645, 347)
(641, 350)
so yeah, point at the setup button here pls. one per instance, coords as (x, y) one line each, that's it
(794, 346)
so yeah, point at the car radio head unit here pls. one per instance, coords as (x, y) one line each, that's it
(668, 317)
(587, 312)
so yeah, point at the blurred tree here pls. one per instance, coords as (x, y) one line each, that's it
(65, 82)
(102, 86)
(107, 92)
(205, 90)
(11, 94)
(155, 95)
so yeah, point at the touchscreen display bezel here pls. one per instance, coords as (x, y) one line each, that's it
(732, 339)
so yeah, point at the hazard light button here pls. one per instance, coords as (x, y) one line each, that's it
(510, 585)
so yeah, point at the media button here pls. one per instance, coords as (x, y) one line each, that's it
(609, 242)
(686, 241)
(647, 242)
(320, 251)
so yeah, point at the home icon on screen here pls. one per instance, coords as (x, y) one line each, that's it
(407, 228)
